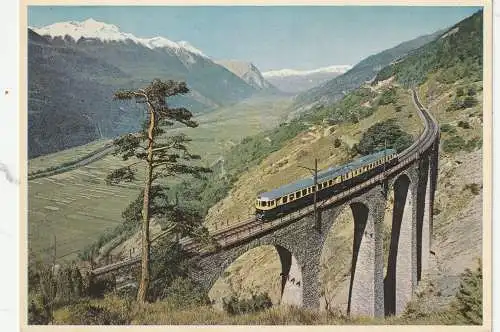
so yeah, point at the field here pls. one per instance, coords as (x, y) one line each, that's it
(77, 206)
(224, 128)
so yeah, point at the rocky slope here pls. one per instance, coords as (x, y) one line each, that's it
(249, 73)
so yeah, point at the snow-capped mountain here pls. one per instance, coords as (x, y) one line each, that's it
(63, 65)
(336, 69)
(295, 81)
(91, 28)
(246, 71)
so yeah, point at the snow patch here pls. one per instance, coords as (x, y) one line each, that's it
(91, 28)
(340, 69)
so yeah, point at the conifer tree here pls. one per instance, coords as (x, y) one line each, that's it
(168, 156)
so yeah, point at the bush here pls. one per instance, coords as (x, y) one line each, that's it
(90, 314)
(463, 124)
(337, 143)
(448, 128)
(474, 144)
(469, 298)
(453, 144)
(474, 188)
(39, 311)
(383, 134)
(469, 101)
(471, 91)
(388, 97)
(183, 293)
(236, 306)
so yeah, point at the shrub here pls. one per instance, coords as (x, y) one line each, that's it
(471, 91)
(469, 298)
(383, 134)
(387, 97)
(453, 144)
(183, 293)
(86, 313)
(474, 144)
(469, 101)
(474, 188)
(463, 124)
(448, 128)
(39, 311)
(337, 143)
(236, 306)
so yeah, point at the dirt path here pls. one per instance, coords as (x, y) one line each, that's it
(91, 157)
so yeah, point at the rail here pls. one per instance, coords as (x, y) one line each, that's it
(250, 228)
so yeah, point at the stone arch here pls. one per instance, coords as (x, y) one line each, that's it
(398, 282)
(288, 278)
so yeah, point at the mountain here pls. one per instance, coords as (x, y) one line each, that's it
(147, 58)
(296, 81)
(91, 28)
(69, 103)
(75, 67)
(248, 72)
(457, 53)
(332, 90)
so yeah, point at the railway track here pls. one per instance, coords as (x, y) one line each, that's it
(250, 228)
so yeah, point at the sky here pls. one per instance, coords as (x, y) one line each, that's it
(272, 37)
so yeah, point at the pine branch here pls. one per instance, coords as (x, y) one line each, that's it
(123, 174)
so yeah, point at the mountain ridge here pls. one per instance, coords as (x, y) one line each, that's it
(91, 28)
(364, 71)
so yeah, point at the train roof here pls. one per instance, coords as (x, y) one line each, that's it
(331, 172)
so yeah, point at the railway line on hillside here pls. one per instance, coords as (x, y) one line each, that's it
(250, 228)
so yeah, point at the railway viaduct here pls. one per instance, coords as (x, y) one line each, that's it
(378, 286)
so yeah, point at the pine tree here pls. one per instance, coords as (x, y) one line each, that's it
(160, 159)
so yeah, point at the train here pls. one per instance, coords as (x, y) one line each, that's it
(296, 195)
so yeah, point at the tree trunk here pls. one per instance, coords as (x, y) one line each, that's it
(145, 269)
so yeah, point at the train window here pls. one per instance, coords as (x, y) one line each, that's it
(330, 182)
(285, 199)
(291, 196)
(298, 194)
(264, 203)
(319, 186)
(304, 192)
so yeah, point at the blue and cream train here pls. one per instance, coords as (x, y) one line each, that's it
(293, 196)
